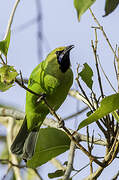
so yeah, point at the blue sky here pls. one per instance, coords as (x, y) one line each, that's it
(60, 27)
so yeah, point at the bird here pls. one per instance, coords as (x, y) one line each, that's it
(52, 77)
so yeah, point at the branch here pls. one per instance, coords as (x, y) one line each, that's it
(107, 159)
(97, 68)
(16, 114)
(106, 75)
(70, 161)
(80, 97)
(9, 142)
(78, 171)
(6, 112)
(37, 173)
(57, 164)
(79, 136)
(116, 176)
(75, 114)
(95, 175)
(11, 18)
(101, 28)
(7, 161)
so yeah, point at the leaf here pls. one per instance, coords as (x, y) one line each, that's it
(86, 75)
(81, 6)
(57, 173)
(7, 77)
(4, 86)
(110, 6)
(4, 45)
(51, 142)
(108, 105)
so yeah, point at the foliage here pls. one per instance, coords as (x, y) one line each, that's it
(7, 77)
(107, 105)
(86, 75)
(52, 141)
(48, 146)
(110, 6)
(4, 45)
(57, 173)
(82, 5)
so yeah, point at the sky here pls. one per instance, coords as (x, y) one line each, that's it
(60, 27)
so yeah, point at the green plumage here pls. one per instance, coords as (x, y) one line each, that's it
(46, 78)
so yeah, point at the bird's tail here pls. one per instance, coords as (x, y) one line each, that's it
(25, 142)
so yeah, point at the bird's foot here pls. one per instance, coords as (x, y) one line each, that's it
(61, 123)
(41, 97)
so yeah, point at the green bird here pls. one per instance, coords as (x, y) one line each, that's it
(52, 77)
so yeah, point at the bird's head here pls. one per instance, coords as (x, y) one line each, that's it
(63, 57)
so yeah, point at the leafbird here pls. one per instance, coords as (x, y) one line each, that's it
(52, 77)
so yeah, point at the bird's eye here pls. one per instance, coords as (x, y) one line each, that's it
(59, 56)
(58, 52)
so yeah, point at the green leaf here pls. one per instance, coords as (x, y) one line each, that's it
(86, 75)
(7, 77)
(4, 86)
(4, 45)
(51, 142)
(110, 6)
(57, 173)
(108, 105)
(81, 6)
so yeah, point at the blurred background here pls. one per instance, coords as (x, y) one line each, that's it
(40, 26)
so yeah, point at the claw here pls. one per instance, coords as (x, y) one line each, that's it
(61, 123)
(41, 97)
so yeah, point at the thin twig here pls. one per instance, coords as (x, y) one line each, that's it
(116, 176)
(11, 18)
(70, 135)
(107, 159)
(37, 173)
(6, 112)
(118, 70)
(97, 68)
(83, 92)
(80, 97)
(57, 164)
(80, 170)
(12, 112)
(75, 114)
(3, 62)
(7, 161)
(70, 161)
(101, 28)
(90, 149)
(106, 75)
(9, 142)
(5, 176)
(61, 122)
(115, 63)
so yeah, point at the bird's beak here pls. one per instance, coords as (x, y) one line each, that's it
(68, 48)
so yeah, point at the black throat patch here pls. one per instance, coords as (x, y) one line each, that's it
(63, 61)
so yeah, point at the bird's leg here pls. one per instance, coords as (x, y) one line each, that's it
(61, 123)
(41, 97)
